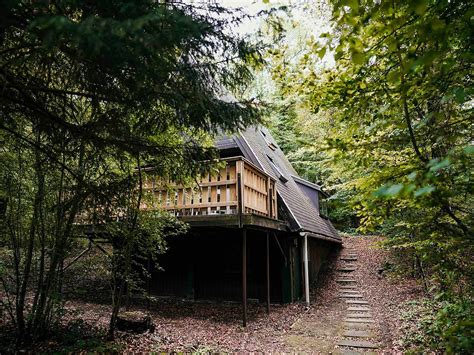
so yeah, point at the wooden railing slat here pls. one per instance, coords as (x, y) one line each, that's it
(217, 193)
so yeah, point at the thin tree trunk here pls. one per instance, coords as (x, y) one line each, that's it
(126, 246)
(117, 294)
(422, 273)
(406, 112)
(41, 318)
(30, 246)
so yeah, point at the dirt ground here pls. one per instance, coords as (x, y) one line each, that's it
(320, 329)
(184, 326)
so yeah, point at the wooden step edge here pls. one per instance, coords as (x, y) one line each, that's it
(358, 320)
(358, 344)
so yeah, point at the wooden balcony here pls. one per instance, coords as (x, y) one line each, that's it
(238, 188)
(238, 194)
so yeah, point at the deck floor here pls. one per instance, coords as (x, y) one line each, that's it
(232, 221)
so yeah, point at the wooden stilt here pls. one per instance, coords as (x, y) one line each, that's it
(244, 276)
(268, 273)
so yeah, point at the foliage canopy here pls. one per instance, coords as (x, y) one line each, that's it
(92, 92)
(397, 116)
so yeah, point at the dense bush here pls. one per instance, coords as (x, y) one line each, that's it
(443, 325)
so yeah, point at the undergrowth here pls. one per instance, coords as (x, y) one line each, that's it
(440, 325)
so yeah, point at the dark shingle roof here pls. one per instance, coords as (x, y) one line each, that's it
(258, 146)
(225, 142)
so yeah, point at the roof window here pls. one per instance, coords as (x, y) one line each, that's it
(277, 170)
(271, 145)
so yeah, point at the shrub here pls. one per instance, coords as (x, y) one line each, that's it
(442, 325)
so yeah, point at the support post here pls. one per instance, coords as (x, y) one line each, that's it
(268, 273)
(240, 203)
(306, 268)
(244, 276)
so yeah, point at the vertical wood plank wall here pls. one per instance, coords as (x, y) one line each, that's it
(216, 193)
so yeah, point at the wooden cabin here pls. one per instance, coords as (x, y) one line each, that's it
(257, 230)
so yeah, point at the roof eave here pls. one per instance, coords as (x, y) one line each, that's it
(322, 236)
(308, 183)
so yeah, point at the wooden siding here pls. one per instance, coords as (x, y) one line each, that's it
(216, 194)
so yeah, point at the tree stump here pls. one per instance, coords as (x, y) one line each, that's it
(135, 322)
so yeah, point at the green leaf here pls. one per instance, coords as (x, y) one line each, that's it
(469, 149)
(322, 52)
(394, 190)
(353, 4)
(412, 176)
(424, 190)
(393, 76)
(460, 95)
(358, 57)
(420, 6)
(435, 166)
(389, 190)
(409, 188)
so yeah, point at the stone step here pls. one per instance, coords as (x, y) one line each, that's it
(346, 269)
(359, 320)
(350, 265)
(348, 287)
(359, 309)
(346, 280)
(348, 258)
(358, 326)
(348, 290)
(357, 334)
(357, 344)
(350, 295)
(359, 315)
(357, 302)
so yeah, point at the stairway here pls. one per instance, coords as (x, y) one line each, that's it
(358, 324)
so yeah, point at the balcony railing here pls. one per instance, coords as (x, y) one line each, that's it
(239, 186)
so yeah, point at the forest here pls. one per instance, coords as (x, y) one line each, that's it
(371, 100)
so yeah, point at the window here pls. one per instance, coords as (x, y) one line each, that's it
(271, 145)
(323, 205)
(277, 170)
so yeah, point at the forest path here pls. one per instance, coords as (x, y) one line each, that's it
(348, 313)
(356, 331)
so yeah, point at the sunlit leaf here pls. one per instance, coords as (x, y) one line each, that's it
(469, 149)
(438, 165)
(424, 190)
(358, 57)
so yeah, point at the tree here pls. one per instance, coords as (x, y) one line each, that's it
(290, 34)
(401, 98)
(90, 91)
